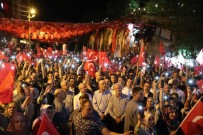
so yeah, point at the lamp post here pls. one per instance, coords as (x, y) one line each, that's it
(31, 14)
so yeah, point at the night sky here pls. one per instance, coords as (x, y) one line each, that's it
(70, 10)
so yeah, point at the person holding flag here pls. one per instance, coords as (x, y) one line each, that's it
(37, 125)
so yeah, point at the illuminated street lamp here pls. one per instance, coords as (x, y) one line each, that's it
(31, 14)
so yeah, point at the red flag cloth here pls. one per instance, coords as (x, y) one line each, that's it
(141, 57)
(92, 55)
(199, 58)
(3, 56)
(197, 70)
(57, 53)
(48, 52)
(90, 68)
(104, 61)
(161, 49)
(46, 127)
(193, 122)
(157, 61)
(134, 59)
(7, 71)
(200, 85)
(114, 67)
(39, 51)
(23, 56)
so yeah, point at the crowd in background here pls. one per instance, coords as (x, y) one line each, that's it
(146, 102)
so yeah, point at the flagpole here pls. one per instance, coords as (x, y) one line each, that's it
(189, 113)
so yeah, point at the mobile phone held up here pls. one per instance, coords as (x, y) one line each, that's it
(141, 111)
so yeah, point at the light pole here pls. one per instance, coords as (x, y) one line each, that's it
(31, 14)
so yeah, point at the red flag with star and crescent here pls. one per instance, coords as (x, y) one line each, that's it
(90, 68)
(46, 127)
(193, 122)
(92, 55)
(104, 61)
(7, 71)
(141, 59)
(23, 56)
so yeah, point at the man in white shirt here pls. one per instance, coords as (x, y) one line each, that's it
(83, 90)
(101, 100)
(117, 105)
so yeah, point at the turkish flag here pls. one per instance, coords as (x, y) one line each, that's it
(3, 56)
(39, 51)
(90, 68)
(197, 70)
(46, 127)
(92, 55)
(7, 71)
(193, 122)
(114, 67)
(141, 56)
(48, 52)
(200, 85)
(161, 49)
(134, 59)
(104, 61)
(157, 61)
(199, 58)
(23, 56)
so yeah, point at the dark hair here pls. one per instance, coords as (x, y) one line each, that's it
(50, 107)
(175, 94)
(84, 102)
(136, 89)
(84, 96)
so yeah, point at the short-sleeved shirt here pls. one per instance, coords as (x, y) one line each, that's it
(87, 126)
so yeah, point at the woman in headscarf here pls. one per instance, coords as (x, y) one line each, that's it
(46, 109)
(18, 125)
(169, 121)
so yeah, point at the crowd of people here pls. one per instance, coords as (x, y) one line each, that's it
(129, 101)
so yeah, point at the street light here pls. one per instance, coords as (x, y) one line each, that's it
(31, 14)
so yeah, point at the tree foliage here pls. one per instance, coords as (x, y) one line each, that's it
(185, 16)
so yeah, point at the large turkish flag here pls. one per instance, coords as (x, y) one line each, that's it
(90, 68)
(7, 72)
(193, 122)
